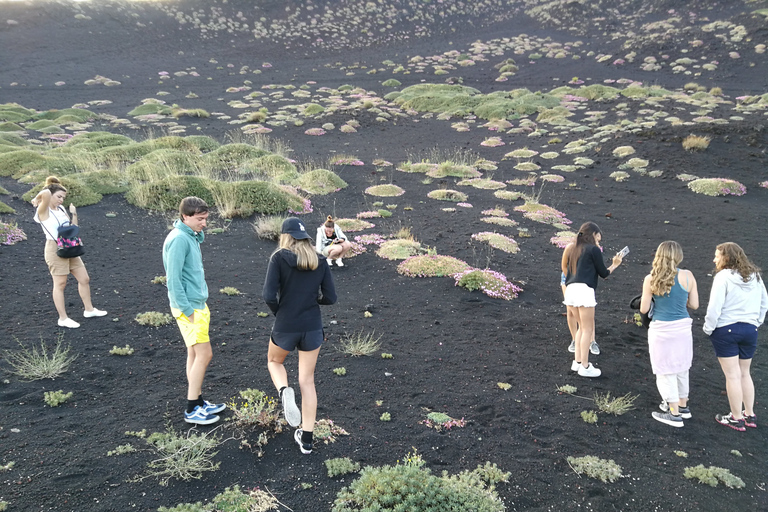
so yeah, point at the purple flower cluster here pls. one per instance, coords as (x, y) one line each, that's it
(542, 213)
(370, 239)
(11, 234)
(368, 215)
(493, 284)
(731, 187)
(464, 205)
(347, 161)
(307, 207)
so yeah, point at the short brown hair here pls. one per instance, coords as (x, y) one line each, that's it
(192, 205)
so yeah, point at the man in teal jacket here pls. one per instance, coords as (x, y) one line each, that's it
(188, 293)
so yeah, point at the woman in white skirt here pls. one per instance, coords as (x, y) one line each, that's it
(670, 340)
(582, 263)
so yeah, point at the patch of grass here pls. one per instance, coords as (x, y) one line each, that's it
(78, 193)
(567, 389)
(340, 371)
(482, 183)
(160, 280)
(353, 225)
(498, 241)
(387, 190)
(270, 167)
(589, 416)
(7, 467)
(617, 406)
(453, 169)
(268, 227)
(321, 182)
(229, 290)
(341, 466)
(121, 450)
(56, 398)
(623, 151)
(508, 195)
(181, 456)
(696, 143)
(36, 363)
(359, 344)
(385, 416)
(717, 187)
(712, 475)
(500, 221)
(680, 453)
(619, 175)
(385, 355)
(399, 249)
(122, 351)
(154, 318)
(448, 195)
(594, 467)
(431, 265)
(506, 386)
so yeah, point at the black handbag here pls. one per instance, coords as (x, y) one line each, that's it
(645, 318)
(68, 239)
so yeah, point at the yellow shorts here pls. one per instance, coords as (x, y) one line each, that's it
(194, 333)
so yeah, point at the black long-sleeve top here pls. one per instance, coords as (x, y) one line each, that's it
(294, 295)
(589, 266)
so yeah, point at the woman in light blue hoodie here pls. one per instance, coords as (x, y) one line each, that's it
(737, 306)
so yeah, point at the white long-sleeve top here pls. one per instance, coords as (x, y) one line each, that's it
(732, 300)
(322, 241)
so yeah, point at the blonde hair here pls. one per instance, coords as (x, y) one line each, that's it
(303, 249)
(733, 257)
(53, 184)
(669, 254)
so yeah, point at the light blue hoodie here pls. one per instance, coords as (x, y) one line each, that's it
(183, 262)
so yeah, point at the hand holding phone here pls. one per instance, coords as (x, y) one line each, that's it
(624, 251)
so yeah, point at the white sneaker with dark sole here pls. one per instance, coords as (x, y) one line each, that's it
(306, 449)
(589, 371)
(290, 410)
(685, 412)
(668, 418)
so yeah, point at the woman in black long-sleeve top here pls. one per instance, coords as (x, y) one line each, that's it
(295, 286)
(582, 263)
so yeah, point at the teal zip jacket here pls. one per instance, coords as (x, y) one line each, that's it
(183, 262)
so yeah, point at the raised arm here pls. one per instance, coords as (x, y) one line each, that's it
(42, 202)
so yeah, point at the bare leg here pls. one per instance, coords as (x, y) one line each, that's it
(585, 334)
(747, 387)
(733, 380)
(84, 287)
(275, 358)
(334, 251)
(198, 358)
(307, 363)
(573, 321)
(59, 283)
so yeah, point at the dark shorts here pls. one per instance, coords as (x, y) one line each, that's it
(739, 339)
(304, 341)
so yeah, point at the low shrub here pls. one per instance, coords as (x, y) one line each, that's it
(594, 467)
(542, 213)
(482, 183)
(269, 227)
(181, 456)
(359, 344)
(154, 318)
(203, 142)
(353, 225)
(387, 190)
(270, 167)
(498, 241)
(448, 195)
(508, 195)
(696, 143)
(428, 265)
(717, 187)
(56, 398)
(589, 416)
(398, 249)
(230, 156)
(229, 290)
(623, 151)
(490, 282)
(11, 233)
(235, 500)
(563, 238)
(121, 450)
(166, 194)
(506, 386)
(500, 221)
(567, 389)
(617, 406)
(619, 175)
(122, 351)
(160, 280)
(321, 182)
(440, 421)
(385, 417)
(340, 371)
(78, 193)
(255, 410)
(244, 198)
(36, 363)
(341, 466)
(454, 170)
(712, 475)
(327, 431)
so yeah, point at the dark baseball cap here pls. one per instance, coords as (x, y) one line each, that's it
(294, 227)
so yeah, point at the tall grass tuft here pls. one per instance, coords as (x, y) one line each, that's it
(36, 363)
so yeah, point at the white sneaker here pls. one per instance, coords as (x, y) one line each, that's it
(589, 371)
(68, 322)
(339, 262)
(575, 366)
(572, 347)
(594, 348)
(94, 313)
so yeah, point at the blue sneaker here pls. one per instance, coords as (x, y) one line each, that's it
(213, 408)
(199, 416)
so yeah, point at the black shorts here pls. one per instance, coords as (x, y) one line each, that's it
(305, 341)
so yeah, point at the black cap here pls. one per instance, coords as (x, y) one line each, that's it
(294, 227)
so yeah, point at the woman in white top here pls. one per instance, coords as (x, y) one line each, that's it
(331, 242)
(50, 215)
(737, 306)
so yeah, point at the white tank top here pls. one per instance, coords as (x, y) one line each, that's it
(51, 225)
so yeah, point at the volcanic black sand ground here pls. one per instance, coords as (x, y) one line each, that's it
(450, 347)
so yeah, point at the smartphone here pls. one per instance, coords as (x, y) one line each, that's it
(624, 251)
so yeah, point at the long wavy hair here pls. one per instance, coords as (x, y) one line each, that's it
(573, 252)
(303, 249)
(669, 254)
(733, 257)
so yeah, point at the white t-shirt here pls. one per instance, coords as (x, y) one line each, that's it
(56, 218)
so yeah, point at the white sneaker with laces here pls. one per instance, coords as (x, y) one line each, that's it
(572, 347)
(594, 348)
(589, 371)
(339, 262)
(94, 313)
(68, 322)
(575, 366)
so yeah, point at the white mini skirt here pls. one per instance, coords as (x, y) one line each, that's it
(579, 295)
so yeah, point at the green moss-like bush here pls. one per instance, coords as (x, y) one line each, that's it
(203, 142)
(353, 225)
(4, 208)
(11, 139)
(712, 475)
(154, 318)
(231, 155)
(427, 265)
(97, 140)
(482, 183)
(78, 193)
(398, 249)
(166, 194)
(15, 113)
(80, 115)
(104, 182)
(448, 195)
(498, 241)
(164, 161)
(413, 488)
(271, 167)
(10, 127)
(387, 190)
(713, 187)
(341, 466)
(321, 182)
(594, 467)
(244, 198)
(40, 125)
(13, 162)
(311, 109)
(453, 169)
(150, 108)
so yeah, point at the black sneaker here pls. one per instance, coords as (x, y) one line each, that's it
(668, 418)
(750, 421)
(729, 421)
(306, 449)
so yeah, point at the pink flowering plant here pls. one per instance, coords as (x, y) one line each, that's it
(717, 187)
(562, 239)
(542, 213)
(371, 214)
(440, 421)
(11, 234)
(490, 282)
(497, 241)
(327, 431)
(763, 184)
(347, 160)
(370, 239)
